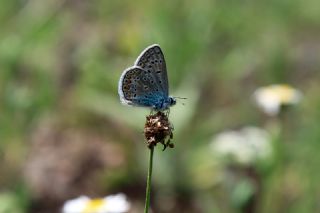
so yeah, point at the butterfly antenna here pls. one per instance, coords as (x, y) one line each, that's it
(181, 98)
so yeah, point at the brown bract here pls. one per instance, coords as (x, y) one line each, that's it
(158, 130)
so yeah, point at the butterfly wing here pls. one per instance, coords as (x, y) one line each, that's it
(137, 87)
(152, 60)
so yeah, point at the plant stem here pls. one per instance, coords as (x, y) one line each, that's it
(148, 189)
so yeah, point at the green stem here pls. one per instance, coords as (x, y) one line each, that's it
(148, 189)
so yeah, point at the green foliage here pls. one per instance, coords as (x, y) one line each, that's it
(61, 61)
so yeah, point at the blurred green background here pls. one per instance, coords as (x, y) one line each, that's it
(64, 133)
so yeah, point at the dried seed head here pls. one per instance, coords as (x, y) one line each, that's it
(158, 130)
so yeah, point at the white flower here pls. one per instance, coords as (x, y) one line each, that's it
(110, 204)
(244, 146)
(272, 97)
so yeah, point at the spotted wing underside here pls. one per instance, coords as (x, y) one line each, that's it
(152, 60)
(137, 87)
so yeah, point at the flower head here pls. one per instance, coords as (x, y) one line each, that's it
(158, 129)
(109, 204)
(244, 146)
(272, 97)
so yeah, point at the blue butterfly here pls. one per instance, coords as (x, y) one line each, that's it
(146, 83)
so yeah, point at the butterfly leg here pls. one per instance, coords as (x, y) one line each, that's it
(167, 112)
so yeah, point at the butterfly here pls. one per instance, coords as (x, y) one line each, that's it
(146, 82)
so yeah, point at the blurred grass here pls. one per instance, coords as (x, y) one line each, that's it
(61, 60)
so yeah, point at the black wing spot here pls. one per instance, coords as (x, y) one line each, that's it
(149, 71)
(144, 78)
(134, 95)
(152, 81)
(158, 71)
(160, 82)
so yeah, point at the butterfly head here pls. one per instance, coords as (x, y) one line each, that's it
(172, 101)
(164, 104)
(169, 102)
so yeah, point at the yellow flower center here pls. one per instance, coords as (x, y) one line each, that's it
(285, 93)
(93, 205)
